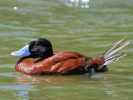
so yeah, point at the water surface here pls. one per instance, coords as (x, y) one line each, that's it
(88, 27)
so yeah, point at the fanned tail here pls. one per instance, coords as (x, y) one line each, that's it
(108, 55)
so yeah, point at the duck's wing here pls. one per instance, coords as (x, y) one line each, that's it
(70, 66)
(67, 62)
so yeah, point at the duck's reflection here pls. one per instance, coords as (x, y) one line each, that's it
(59, 80)
(77, 3)
(47, 80)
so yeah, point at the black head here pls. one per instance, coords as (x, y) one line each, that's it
(40, 49)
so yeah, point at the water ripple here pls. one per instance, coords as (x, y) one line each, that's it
(16, 27)
(18, 87)
(7, 65)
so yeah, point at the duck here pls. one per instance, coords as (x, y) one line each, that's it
(40, 59)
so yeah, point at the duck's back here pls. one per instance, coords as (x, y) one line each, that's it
(63, 62)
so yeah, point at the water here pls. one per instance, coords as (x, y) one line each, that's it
(88, 27)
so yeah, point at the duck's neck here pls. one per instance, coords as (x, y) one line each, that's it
(40, 56)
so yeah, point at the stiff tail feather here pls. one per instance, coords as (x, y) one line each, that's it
(110, 55)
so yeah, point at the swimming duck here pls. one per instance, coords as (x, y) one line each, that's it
(39, 58)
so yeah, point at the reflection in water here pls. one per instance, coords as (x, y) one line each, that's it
(112, 93)
(15, 8)
(77, 3)
(17, 87)
(22, 93)
(48, 80)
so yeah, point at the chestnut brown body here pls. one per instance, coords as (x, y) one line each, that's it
(63, 62)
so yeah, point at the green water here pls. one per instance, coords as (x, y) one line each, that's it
(88, 29)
